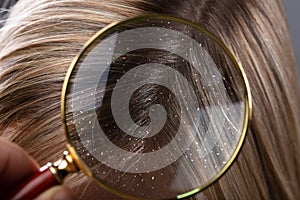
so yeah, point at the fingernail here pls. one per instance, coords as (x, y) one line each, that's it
(63, 194)
(56, 193)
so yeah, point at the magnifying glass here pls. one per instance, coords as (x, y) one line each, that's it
(153, 107)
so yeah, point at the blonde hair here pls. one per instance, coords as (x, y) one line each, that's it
(40, 39)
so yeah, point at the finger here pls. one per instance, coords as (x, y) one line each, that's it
(15, 165)
(56, 193)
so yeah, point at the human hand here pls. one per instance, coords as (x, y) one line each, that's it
(16, 165)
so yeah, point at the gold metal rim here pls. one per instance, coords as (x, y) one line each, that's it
(104, 31)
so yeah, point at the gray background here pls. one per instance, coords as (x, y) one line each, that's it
(292, 8)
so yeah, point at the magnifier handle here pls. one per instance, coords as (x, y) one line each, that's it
(48, 176)
(34, 185)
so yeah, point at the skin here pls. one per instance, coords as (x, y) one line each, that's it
(11, 158)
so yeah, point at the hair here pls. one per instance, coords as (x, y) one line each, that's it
(40, 39)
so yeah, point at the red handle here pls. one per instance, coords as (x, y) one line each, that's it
(33, 186)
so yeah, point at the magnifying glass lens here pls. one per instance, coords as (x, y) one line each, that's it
(156, 107)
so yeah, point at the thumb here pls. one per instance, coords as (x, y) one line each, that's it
(56, 193)
(15, 165)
